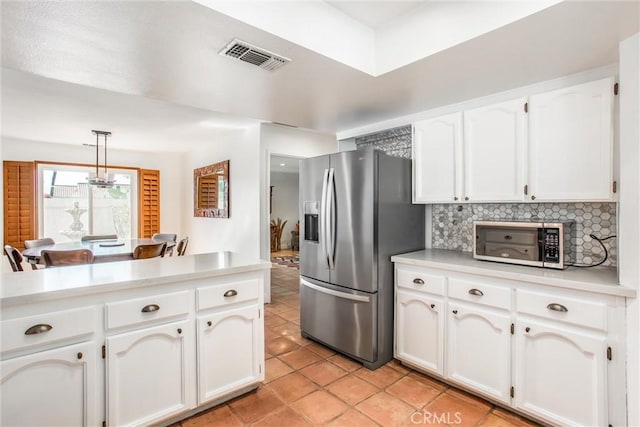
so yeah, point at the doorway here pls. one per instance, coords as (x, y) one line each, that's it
(284, 211)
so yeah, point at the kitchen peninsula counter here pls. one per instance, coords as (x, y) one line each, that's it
(102, 338)
(597, 279)
(64, 282)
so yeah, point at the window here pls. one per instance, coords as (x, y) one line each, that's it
(69, 208)
(36, 201)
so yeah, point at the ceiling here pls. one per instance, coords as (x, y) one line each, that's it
(150, 71)
(375, 13)
(284, 164)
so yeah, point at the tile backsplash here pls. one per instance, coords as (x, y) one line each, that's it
(395, 142)
(453, 224)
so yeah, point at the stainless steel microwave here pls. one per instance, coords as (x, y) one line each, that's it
(539, 244)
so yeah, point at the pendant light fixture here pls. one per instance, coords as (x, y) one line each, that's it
(101, 178)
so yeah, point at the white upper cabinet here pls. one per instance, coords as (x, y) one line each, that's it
(494, 145)
(558, 146)
(437, 154)
(571, 143)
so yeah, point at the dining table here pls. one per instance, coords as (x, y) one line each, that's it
(103, 250)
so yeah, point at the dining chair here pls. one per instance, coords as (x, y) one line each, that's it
(166, 237)
(150, 251)
(91, 238)
(182, 246)
(64, 258)
(28, 244)
(15, 257)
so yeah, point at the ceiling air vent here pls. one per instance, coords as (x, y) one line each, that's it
(254, 55)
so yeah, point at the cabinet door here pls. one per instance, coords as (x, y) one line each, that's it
(437, 154)
(494, 143)
(230, 351)
(479, 349)
(150, 374)
(51, 388)
(571, 143)
(560, 374)
(419, 330)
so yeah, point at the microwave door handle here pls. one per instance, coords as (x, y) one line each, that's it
(323, 216)
(331, 250)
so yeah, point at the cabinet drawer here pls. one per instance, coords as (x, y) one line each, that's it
(147, 309)
(420, 281)
(480, 293)
(566, 309)
(228, 293)
(26, 332)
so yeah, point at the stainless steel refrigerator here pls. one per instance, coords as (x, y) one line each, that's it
(356, 211)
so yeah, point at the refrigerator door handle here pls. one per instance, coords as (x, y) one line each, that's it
(334, 293)
(331, 249)
(323, 218)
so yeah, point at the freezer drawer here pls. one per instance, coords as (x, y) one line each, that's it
(343, 319)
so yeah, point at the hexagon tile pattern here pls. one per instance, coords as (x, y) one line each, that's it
(453, 224)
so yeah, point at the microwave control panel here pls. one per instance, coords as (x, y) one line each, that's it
(551, 245)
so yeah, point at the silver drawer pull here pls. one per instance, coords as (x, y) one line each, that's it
(38, 329)
(418, 281)
(230, 293)
(476, 292)
(150, 308)
(557, 307)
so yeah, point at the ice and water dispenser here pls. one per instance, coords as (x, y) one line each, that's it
(311, 230)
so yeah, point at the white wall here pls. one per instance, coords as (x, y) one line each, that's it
(629, 211)
(285, 141)
(284, 202)
(439, 25)
(545, 86)
(241, 231)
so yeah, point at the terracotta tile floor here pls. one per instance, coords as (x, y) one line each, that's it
(307, 384)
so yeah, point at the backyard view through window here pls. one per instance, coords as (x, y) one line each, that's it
(69, 208)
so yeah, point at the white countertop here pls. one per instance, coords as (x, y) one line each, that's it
(597, 279)
(61, 282)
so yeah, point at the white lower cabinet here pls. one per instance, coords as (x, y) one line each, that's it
(50, 388)
(145, 354)
(419, 330)
(561, 374)
(479, 349)
(150, 374)
(553, 354)
(229, 351)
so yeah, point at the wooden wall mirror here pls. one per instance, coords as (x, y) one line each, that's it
(211, 191)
